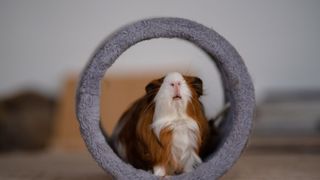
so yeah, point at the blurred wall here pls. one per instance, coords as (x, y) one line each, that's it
(42, 41)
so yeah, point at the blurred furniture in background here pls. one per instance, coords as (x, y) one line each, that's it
(26, 121)
(288, 122)
(118, 92)
(287, 113)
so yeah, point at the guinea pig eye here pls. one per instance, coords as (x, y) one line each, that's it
(154, 85)
(171, 84)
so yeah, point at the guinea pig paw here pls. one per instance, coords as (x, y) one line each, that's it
(159, 171)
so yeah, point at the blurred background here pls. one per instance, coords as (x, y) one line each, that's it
(44, 45)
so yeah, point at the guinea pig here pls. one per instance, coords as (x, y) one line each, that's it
(166, 130)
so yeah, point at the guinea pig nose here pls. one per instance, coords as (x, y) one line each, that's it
(174, 84)
(176, 89)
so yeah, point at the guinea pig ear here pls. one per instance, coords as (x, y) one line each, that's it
(153, 85)
(197, 85)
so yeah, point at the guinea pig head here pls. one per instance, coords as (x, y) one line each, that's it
(176, 89)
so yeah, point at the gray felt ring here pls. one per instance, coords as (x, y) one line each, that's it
(237, 84)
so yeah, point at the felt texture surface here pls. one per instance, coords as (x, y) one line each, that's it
(237, 84)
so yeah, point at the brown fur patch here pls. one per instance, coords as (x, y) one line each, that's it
(195, 110)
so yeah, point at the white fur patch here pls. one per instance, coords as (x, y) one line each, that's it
(172, 114)
(184, 143)
(166, 109)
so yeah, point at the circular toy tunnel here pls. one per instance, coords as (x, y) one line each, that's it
(237, 85)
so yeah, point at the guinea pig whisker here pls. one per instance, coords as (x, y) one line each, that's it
(192, 103)
(148, 106)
